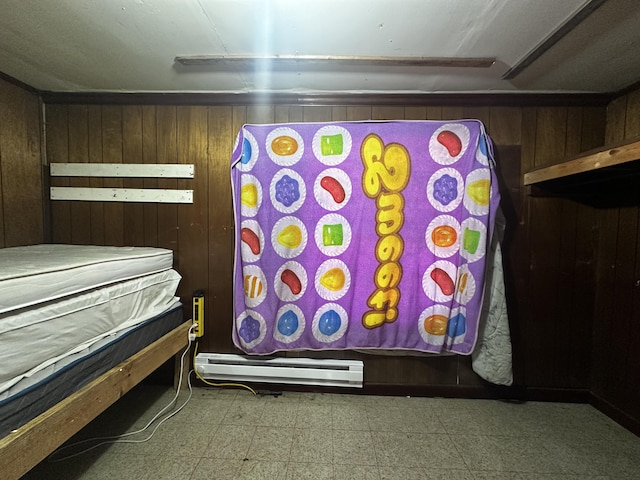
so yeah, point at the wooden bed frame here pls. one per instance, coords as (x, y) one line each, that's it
(27, 446)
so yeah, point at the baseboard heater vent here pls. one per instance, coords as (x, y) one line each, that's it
(301, 371)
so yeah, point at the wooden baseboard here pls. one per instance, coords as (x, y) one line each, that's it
(627, 421)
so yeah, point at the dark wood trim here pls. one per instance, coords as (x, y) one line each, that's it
(481, 391)
(558, 35)
(627, 421)
(18, 83)
(626, 90)
(448, 99)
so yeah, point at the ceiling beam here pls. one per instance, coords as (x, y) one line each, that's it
(249, 62)
(554, 38)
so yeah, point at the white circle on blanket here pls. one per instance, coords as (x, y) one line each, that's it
(456, 326)
(284, 146)
(249, 155)
(465, 285)
(332, 144)
(333, 234)
(477, 192)
(255, 285)
(290, 324)
(251, 328)
(474, 239)
(438, 281)
(252, 241)
(287, 191)
(448, 143)
(290, 281)
(445, 189)
(432, 324)
(329, 323)
(332, 189)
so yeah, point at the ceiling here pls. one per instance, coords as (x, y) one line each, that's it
(130, 45)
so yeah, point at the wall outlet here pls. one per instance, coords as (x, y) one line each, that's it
(198, 313)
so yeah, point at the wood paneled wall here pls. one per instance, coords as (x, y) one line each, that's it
(21, 197)
(549, 246)
(616, 357)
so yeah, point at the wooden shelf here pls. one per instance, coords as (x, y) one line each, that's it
(587, 162)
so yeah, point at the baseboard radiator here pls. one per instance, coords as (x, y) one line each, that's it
(300, 371)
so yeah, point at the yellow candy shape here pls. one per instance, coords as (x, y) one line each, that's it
(333, 279)
(290, 236)
(249, 195)
(284, 145)
(479, 191)
(436, 324)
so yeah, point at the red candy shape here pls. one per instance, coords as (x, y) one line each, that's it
(443, 280)
(451, 142)
(290, 279)
(249, 237)
(333, 186)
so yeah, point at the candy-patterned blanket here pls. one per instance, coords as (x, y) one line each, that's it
(361, 235)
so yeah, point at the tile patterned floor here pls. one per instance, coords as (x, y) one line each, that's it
(230, 434)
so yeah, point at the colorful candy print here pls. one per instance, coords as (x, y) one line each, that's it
(445, 189)
(284, 145)
(443, 280)
(290, 236)
(471, 240)
(291, 280)
(333, 279)
(444, 236)
(329, 323)
(435, 324)
(331, 144)
(332, 235)
(249, 329)
(479, 191)
(451, 142)
(249, 237)
(334, 187)
(287, 190)
(288, 323)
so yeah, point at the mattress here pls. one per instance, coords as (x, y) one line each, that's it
(35, 337)
(34, 395)
(41, 273)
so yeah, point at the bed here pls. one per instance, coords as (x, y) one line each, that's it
(56, 377)
(374, 236)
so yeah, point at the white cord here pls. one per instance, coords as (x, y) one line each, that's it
(122, 438)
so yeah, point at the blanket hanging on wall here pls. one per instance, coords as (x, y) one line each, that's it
(361, 235)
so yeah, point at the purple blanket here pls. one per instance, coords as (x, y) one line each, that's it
(361, 235)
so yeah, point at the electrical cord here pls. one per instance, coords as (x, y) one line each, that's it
(240, 385)
(123, 438)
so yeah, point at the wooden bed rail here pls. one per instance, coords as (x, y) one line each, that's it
(27, 446)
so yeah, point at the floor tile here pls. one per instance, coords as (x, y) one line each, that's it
(312, 446)
(310, 471)
(314, 415)
(349, 417)
(262, 470)
(271, 443)
(217, 468)
(356, 472)
(230, 441)
(353, 448)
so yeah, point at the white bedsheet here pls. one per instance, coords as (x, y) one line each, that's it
(34, 338)
(40, 273)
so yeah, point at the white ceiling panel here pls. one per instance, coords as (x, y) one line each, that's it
(130, 45)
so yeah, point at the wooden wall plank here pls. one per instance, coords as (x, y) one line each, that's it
(358, 113)
(58, 151)
(133, 213)
(193, 232)
(149, 155)
(219, 294)
(21, 191)
(112, 153)
(632, 123)
(316, 114)
(505, 125)
(79, 153)
(167, 152)
(94, 126)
